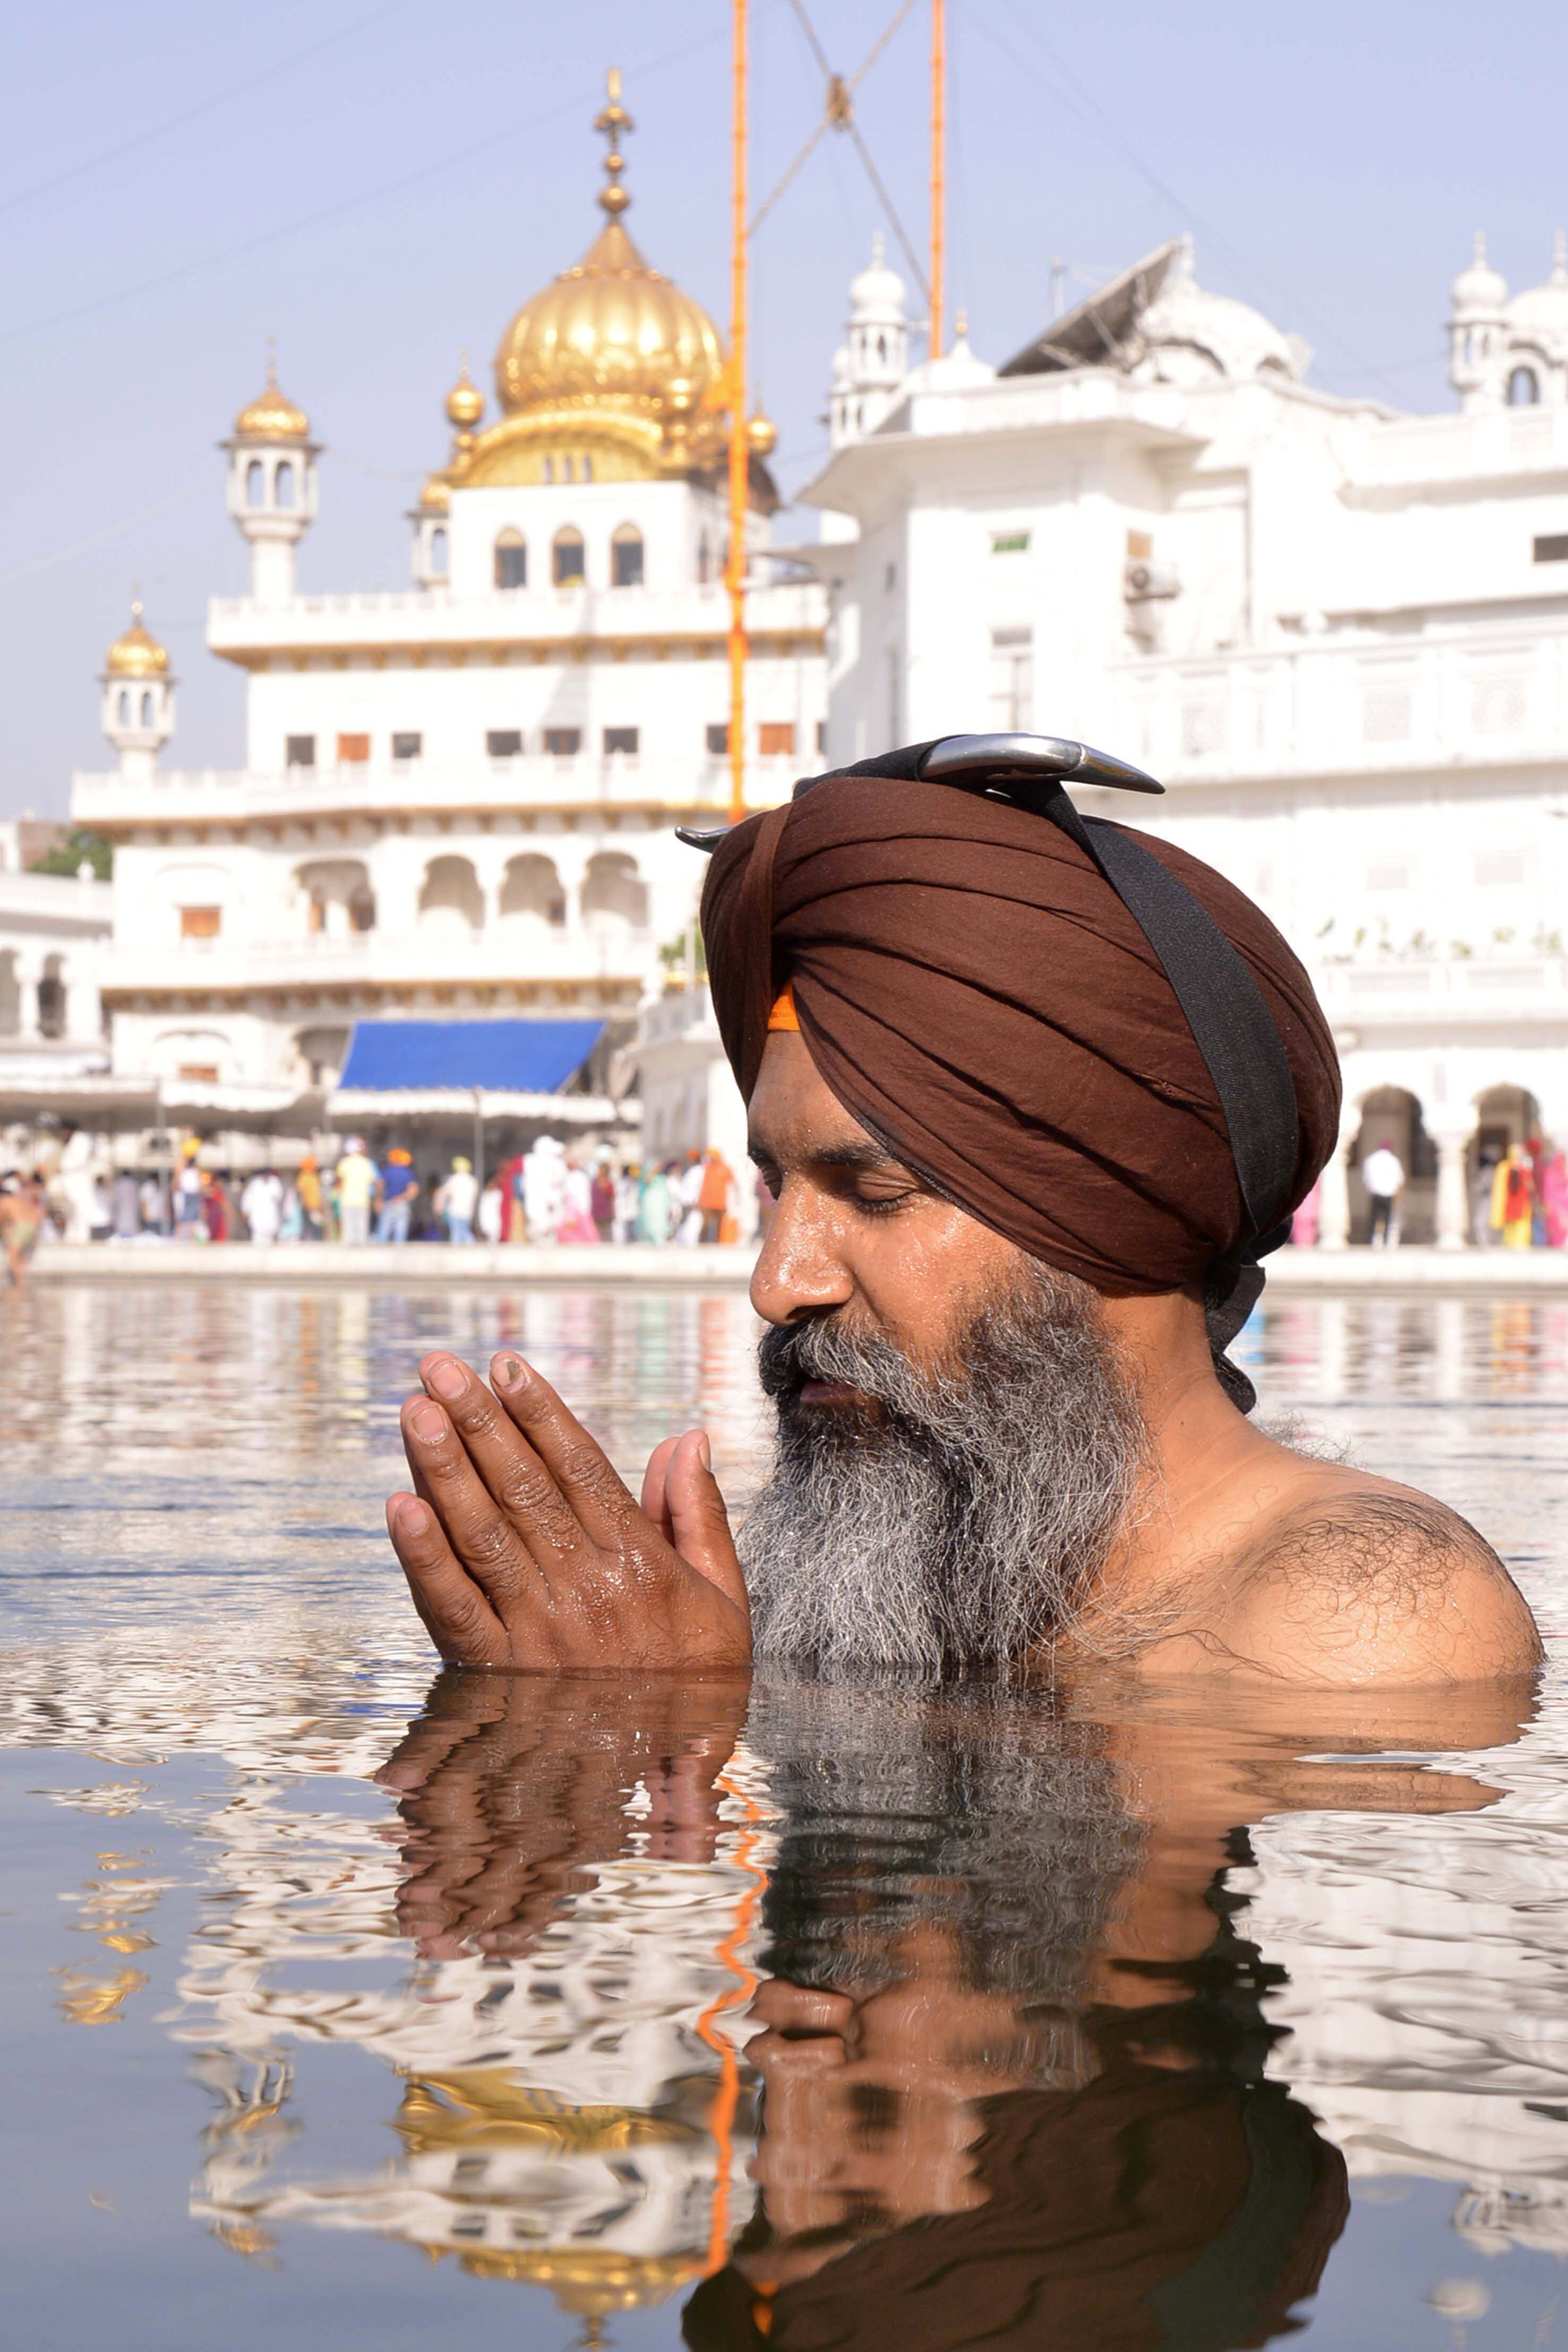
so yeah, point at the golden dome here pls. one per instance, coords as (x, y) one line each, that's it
(272, 416)
(436, 496)
(465, 402)
(137, 654)
(611, 331)
(609, 327)
(763, 436)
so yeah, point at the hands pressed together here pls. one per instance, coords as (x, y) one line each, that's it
(525, 1550)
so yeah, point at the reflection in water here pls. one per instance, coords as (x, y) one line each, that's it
(800, 2018)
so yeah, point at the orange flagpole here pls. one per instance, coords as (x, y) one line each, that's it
(938, 171)
(739, 445)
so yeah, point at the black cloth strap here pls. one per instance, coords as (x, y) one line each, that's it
(1231, 1025)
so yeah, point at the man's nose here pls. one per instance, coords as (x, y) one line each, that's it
(801, 1268)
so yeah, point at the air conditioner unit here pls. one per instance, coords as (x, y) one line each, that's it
(1144, 582)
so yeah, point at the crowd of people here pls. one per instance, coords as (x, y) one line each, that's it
(549, 1194)
(1518, 1198)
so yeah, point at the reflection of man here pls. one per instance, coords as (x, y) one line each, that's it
(1383, 1177)
(1033, 1099)
(1010, 2031)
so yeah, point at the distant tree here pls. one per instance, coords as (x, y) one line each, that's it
(673, 955)
(77, 845)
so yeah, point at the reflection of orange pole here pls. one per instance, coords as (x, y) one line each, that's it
(938, 169)
(740, 447)
(726, 2095)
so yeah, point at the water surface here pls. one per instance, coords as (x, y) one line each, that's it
(347, 2002)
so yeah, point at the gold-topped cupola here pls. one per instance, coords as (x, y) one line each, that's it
(611, 373)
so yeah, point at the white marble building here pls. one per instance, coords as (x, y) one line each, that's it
(54, 929)
(461, 799)
(1337, 633)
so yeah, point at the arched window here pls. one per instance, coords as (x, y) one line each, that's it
(336, 897)
(566, 469)
(147, 710)
(705, 560)
(124, 708)
(322, 1053)
(588, 470)
(256, 483)
(614, 896)
(531, 892)
(511, 560)
(626, 557)
(438, 550)
(548, 470)
(283, 484)
(570, 570)
(1523, 388)
(451, 902)
(881, 348)
(52, 998)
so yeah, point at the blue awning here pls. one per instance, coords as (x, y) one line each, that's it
(500, 1057)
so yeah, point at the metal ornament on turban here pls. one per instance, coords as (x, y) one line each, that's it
(1086, 1038)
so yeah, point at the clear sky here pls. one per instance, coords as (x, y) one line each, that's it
(380, 183)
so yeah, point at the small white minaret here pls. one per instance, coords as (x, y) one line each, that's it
(1478, 334)
(138, 698)
(272, 487)
(874, 360)
(465, 407)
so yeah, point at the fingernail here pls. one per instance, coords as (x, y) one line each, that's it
(508, 1371)
(704, 1451)
(427, 1423)
(413, 1519)
(447, 1378)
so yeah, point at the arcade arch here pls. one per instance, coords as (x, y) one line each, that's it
(451, 903)
(338, 895)
(531, 892)
(614, 896)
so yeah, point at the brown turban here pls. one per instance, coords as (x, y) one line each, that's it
(978, 996)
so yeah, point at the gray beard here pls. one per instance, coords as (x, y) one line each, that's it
(965, 1526)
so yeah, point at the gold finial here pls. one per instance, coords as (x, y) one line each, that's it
(272, 416)
(613, 120)
(961, 325)
(465, 402)
(137, 653)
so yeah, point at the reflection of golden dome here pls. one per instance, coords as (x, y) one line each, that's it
(490, 2106)
(591, 2280)
(272, 416)
(137, 654)
(465, 402)
(472, 2107)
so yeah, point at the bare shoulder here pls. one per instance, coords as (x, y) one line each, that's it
(1361, 1581)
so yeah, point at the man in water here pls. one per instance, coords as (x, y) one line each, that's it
(1033, 1097)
